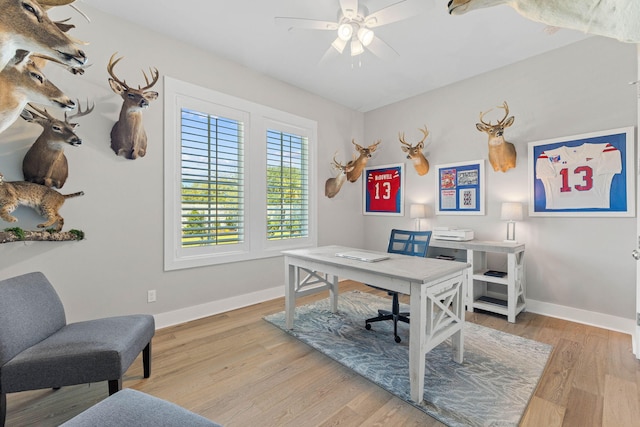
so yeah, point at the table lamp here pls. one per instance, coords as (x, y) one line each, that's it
(417, 211)
(511, 212)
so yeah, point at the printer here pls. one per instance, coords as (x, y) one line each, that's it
(452, 233)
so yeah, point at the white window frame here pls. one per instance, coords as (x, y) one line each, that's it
(257, 120)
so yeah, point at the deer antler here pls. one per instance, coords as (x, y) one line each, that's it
(335, 162)
(401, 138)
(80, 113)
(373, 147)
(482, 115)
(52, 3)
(425, 132)
(506, 113)
(154, 74)
(43, 113)
(110, 67)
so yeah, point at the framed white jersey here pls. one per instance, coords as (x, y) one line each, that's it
(578, 177)
(584, 175)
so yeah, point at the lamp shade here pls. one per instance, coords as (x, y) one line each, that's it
(511, 211)
(365, 36)
(417, 211)
(339, 44)
(356, 47)
(345, 31)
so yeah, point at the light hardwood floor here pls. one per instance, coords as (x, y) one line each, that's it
(238, 370)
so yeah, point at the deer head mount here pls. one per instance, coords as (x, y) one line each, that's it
(45, 162)
(502, 154)
(615, 19)
(359, 163)
(414, 152)
(128, 137)
(21, 82)
(25, 25)
(333, 185)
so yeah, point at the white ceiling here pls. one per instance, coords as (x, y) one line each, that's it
(435, 49)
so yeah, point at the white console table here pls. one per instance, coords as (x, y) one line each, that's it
(479, 292)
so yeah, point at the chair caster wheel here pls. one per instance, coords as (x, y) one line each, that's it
(398, 339)
(367, 326)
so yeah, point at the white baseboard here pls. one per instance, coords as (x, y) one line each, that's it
(606, 321)
(187, 314)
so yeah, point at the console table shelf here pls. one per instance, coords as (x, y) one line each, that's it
(484, 292)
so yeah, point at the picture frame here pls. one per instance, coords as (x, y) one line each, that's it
(383, 189)
(569, 178)
(460, 188)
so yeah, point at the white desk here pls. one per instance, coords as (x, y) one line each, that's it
(436, 289)
(508, 303)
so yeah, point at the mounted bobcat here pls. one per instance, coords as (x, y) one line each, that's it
(44, 200)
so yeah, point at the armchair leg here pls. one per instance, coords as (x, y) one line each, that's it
(3, 408)
(115, 386)
(146, 360)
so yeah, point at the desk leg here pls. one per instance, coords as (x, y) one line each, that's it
(333, 294)
(290, 278)
(512, 297)
(417, 341)
(457, 339)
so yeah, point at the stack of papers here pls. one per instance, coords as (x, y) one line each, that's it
(362, 256)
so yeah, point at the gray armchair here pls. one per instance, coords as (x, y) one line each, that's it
(38, 349)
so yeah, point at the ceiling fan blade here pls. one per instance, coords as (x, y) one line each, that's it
(329, 55)
(396, 12)
(381, 49)
(349, 8)
(305, 24)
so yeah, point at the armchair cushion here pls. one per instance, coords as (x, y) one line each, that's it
(83, 352)
(130, 407)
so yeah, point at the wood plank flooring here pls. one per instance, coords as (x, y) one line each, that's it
(238, 370)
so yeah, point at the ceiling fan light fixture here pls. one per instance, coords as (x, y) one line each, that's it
(365, 36)
(345, 31)
(356, 47)
(339, 44)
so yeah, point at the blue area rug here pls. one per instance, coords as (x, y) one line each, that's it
(491, 388)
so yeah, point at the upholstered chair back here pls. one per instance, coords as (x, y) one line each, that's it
(30, 311)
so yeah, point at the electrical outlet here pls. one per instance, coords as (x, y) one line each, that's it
(151, 295)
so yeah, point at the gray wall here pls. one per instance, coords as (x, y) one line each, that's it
(578, 263)
(122, 212)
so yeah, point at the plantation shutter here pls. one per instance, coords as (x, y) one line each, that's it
(212, 201)
(287, 186)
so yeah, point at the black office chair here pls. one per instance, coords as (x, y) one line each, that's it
(414, 243)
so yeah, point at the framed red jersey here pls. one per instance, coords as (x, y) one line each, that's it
(384, 190)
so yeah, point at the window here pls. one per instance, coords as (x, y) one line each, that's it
(239, 179)
(287, 186)
(212, 193)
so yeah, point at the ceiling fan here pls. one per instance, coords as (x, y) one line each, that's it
(355, 26)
